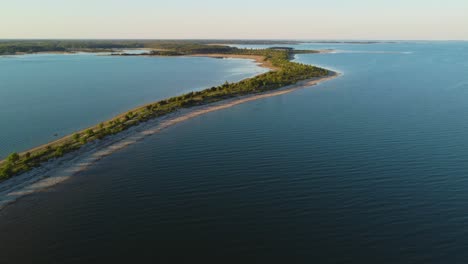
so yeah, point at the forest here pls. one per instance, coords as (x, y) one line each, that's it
(11, 47)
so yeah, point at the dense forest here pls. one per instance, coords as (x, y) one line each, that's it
(32, 46)
(287, 73)
(11, 47)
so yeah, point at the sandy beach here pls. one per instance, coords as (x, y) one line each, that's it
(260, 60)
(58, 170)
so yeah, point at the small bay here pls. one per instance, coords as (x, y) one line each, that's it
(47, 96)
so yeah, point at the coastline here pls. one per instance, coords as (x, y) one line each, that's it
(68, 52)
(59, 170)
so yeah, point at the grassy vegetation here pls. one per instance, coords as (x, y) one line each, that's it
(288, 73)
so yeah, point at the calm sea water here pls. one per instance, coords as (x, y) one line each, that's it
(43, 95)
(367, 168)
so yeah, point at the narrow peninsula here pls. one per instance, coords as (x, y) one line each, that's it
(284, 76)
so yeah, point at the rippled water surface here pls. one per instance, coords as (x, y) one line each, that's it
(45, 96)
(367, 168)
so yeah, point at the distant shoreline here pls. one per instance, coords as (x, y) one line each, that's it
(68, 52)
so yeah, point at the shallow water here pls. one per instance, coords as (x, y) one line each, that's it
(367, 168)
(46, 94)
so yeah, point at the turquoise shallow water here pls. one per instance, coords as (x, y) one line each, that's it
(367, 168)
(47, 94)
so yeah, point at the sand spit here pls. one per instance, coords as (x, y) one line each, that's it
(58, 170)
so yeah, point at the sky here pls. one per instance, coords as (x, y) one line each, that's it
(235, 19)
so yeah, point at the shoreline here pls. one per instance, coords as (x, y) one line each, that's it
(59, 170)
(260, 60)
(326, 51)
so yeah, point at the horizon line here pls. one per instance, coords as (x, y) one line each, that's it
(252, 39)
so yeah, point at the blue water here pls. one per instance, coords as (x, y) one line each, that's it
(43, 95)
(367, 168)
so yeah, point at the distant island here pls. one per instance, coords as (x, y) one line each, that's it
(283, 73)
(15, 47)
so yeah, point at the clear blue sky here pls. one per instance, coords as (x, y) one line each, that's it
(273, 19)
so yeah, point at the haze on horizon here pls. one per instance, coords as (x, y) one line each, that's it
(240, 19)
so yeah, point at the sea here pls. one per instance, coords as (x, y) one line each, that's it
(370, 167)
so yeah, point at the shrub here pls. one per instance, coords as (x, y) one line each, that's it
(90, 132)
(58, 151)
(13, 158)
